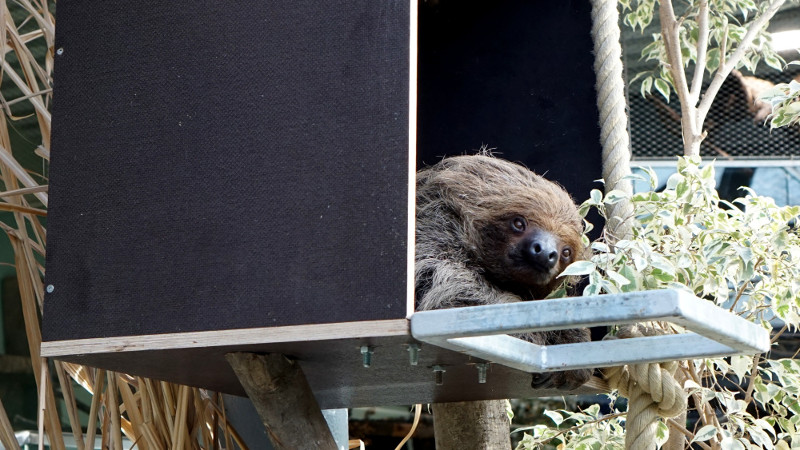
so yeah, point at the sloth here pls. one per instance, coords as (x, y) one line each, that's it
(490, 231)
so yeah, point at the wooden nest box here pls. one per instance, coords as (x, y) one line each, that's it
(241, 179)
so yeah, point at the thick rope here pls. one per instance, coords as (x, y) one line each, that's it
(651, 388)
(610, 88)
(652, 392)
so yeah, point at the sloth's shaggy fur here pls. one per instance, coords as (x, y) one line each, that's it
(464, 204)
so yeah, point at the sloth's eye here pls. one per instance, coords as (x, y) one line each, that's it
(518, 224)
(566, 253)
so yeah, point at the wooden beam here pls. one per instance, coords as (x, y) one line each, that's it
(278, 388)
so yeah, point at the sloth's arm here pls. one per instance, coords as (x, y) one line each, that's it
(448, 284)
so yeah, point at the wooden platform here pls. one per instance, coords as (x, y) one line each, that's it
(332, 366)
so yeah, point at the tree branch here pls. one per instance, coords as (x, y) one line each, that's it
(687, 433)
(702, 49)
(726, 68)
(669, 33)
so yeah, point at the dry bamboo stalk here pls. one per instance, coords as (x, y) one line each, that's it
(33, 332)
(47, 26)
(4, 13)
(23, 209)
(179, 424)
(214, 427)
(97, 387)
(134, 414)
(228, 443)
(34, 74)
(31, 70)
(230, 432)
(80, 374)
(105, 434)
(170, 411)
(24, 191)
(199, 428)
(42, 403)
(113, 410)
(7, 437)
(71, 406)
(15, 233)
(36, 101)
(159, 418)
(19, 172)
(42, 153)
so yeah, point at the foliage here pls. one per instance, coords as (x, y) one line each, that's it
(585, 429)
(785, 101)
(745, 257)
(727, 22)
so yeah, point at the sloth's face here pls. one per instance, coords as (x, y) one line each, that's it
(526, 258)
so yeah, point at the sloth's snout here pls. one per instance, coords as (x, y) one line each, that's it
(542, 251)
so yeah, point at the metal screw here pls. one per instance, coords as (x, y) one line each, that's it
(438, 373)
(482, 372)
(60, 51)
(413, 354)
(50, 288)
(366, 353)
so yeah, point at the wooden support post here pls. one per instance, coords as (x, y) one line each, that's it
(480, 424)
(283, 399)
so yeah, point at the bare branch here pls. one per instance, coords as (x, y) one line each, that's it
(726, 68)
(669, 33)
(702, 49)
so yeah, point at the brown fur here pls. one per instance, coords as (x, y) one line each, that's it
(467, 251)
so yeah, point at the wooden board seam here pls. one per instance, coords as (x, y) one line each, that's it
(227, 338)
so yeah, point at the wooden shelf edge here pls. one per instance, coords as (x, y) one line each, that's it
(227, 338)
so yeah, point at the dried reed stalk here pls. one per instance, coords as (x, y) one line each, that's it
(154, 415)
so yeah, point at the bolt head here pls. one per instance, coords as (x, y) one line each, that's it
(50, 288)
(60, 51)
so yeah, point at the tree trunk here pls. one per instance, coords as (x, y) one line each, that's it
(472, 425)
(284, 400)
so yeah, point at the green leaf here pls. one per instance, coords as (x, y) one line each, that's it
(663, 264)
(583, 210)
(663, 88)
(579, 268)
(617, 278)
(615, 196)
(773, 61)
(651, 50)
(647, 86)
(634, 278)
(760, 437)
(673, 181)
(682, 189)
(662, 434)
(595, 197)
(740, 366)
(705, 433)
(555, 416)
(712, 60)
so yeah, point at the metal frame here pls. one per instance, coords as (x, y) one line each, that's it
(482, 331)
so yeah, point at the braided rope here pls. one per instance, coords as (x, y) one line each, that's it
(610, 88)
(651, 388)
(652, 392)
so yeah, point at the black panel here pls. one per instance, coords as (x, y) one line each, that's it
(227, 165)
(513, 75)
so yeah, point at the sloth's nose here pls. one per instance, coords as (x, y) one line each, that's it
(542, 250)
